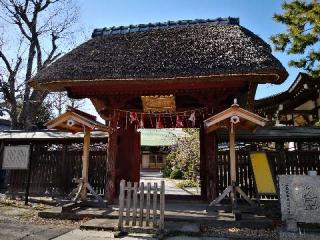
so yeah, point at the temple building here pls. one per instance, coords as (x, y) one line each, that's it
(163, 75)
(297, 106)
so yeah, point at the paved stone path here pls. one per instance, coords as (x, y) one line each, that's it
(99, 235)
(171, 188)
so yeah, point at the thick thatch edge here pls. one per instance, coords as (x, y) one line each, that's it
(61, 85)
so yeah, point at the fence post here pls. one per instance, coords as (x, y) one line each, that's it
(155, 191)
(121, 204)
(148, 204)
(162, 191)
(135, 198)
(141, 204)
(128, 203)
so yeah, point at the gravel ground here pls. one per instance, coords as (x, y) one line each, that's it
(18, 220)
(15, 211)
(237, 233)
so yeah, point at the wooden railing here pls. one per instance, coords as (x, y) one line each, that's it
(147, 213)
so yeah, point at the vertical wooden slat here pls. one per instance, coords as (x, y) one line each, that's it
(154, 212)
(162, 192)
(134, 214)
(141, 204)
(121, 204)
(148, 204)
(128, 203)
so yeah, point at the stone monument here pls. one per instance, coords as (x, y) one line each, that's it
(300, 199)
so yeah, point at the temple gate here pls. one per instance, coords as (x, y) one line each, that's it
(200, 65)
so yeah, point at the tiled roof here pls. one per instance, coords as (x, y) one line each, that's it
(161, 25)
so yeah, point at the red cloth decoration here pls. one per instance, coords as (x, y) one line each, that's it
(159, 123)
(179, 123)
(141, 123)
(133, 117)
(192, 118)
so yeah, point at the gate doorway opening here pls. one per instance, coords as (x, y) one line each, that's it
(172, 155)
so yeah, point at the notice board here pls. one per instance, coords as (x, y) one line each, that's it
(16, 157)
(262, 173)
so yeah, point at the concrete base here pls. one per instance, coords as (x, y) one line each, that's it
(101, 224)
(297, 236)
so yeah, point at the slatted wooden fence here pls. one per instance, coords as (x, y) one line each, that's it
(136, 209)
(54, 169)
(52, 172)
(283, 162)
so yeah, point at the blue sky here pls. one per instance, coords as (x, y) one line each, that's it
(256, 15)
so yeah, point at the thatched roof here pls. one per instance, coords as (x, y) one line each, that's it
(172, 50)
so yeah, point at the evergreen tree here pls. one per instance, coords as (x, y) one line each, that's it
(302, 36)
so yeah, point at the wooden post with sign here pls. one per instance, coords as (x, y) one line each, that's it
(75, 121)
(19, 157)
(232, 118)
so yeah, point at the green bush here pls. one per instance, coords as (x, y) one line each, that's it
(166, 170)
(168, 165)
(188, 183)
(176, 174)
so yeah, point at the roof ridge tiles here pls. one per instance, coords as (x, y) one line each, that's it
(168, 24)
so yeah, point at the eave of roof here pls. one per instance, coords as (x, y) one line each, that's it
(269, 134)
(48, 135)
(300, 80)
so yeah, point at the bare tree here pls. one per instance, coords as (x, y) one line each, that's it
(60, 101)
(40, 27)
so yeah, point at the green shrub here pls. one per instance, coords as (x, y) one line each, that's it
(187, 183)
(166, 170)
(167, 167)
(176, 174)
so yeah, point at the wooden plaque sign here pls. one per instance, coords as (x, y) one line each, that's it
(158, 103)
(300, 198)
(16, 157)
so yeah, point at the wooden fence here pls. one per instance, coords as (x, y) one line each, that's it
(135, 193)
(52, 172)
(54, 168)
(283, 162)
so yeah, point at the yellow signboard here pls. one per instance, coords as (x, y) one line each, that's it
(262, 173)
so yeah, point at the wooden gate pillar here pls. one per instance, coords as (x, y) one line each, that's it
(208, 166)
(129, 155)
(110, 190)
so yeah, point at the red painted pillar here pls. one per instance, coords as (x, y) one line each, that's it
(208, 167)
(110, 189)
(129, 155)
